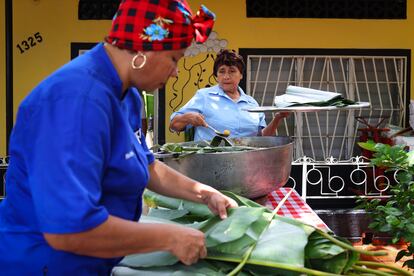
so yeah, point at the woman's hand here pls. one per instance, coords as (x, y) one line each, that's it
(186, 188)
(118, 237)
(270, 130)
(195, 119)
(187, 244)
(281, 115)
(217, 202)
(180, 122)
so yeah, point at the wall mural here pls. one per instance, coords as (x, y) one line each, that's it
(195, 72)
(197, 69)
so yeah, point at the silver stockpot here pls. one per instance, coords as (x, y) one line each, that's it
(252, 174)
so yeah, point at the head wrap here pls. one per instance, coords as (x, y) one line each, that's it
(155, 25)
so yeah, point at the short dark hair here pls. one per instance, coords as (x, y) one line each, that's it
(229, 58)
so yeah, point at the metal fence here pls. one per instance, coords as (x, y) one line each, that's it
(4, 162)
(338, 184)
(331, 179)
(380, 80)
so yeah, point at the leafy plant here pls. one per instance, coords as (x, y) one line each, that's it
(251, 241)
(396, 215)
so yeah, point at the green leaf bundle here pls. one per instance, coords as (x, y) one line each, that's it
(251, 238)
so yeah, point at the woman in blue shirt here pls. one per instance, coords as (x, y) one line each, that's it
(221, 106)
(77, 170)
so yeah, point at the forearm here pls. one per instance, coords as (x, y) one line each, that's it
(115, 237)
(169, 182)
(270, 130)
(179, 122)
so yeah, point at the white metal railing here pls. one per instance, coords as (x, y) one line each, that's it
(326, 175)
(371, 182)
(380, 80)
(4, 163)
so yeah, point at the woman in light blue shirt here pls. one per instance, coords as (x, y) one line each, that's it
(222, 106)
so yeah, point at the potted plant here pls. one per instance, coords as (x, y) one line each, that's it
(395, 215)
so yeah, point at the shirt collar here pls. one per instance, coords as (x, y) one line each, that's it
(106, 70)
(218, 91)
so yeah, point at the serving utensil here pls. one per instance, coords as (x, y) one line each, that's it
(225, 133)
(220, 136)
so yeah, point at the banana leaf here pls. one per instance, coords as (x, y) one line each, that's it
(320, 248)
(201, 268)
(278, 245)
(339, 102)
(322, 255)
(233, 228)
(167, 214)
(152, 199)
(179, 150)
(275, 246)
(242, 201)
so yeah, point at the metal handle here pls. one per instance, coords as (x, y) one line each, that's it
(163, 155)
(213, 129)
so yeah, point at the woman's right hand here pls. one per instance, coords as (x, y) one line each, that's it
(195, 119)
(181, 121)
(187, 244)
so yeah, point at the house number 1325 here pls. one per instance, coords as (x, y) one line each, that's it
(30, 42)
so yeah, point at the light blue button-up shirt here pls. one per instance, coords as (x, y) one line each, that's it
(221, 112)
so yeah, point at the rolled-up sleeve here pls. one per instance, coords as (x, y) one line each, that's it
(195, 104)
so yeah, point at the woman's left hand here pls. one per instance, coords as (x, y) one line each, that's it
(186, 188)
(217, 202)
(281, 115)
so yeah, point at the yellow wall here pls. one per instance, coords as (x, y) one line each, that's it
(58, 24)
(242, 32)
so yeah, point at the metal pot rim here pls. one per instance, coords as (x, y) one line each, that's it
(235, 140)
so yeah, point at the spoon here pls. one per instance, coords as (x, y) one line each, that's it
(220, 137)
(225, 133)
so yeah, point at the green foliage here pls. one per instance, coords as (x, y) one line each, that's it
(252, 238)
(396, 215)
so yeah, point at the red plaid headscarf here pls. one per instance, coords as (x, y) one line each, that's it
(154, 25)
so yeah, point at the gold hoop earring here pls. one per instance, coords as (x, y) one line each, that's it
(139, 54)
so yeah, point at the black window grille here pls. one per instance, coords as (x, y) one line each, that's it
(350, 9)
(97, 9)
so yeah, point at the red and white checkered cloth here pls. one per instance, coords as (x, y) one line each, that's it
(294, 207)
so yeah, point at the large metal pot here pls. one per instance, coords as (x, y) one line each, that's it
(252, 173)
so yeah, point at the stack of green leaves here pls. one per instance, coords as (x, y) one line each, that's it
(251, 241)
(338, 102)
(179, 150)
